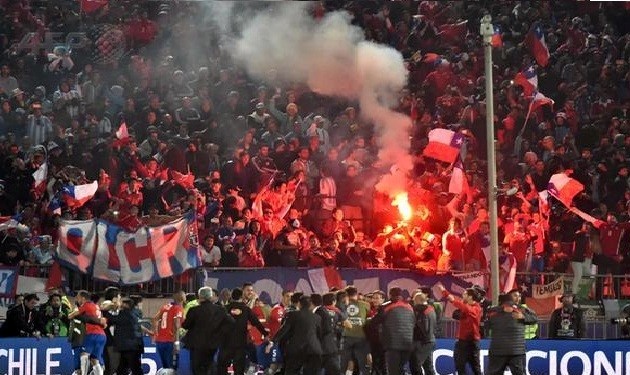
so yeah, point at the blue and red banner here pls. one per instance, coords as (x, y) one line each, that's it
(54, 356)
(109, 252)
(8, 281)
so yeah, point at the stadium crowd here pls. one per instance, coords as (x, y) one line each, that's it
(281, 176)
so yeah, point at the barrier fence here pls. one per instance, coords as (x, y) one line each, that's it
(269, 283)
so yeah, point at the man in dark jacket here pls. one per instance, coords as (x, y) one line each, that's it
(207, 325)
(332, 322)
(398, 320)
(128, 338)
(423, 334)
(235, 346)
(567, 322)
(23, 319)
(507, 344)
(301, 335)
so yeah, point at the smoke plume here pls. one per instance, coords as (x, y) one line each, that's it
(333, 58)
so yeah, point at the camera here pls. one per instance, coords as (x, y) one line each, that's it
(619, 321)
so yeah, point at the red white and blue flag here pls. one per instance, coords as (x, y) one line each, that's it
(564, 188)
(497, 40)
(76, 196)
(40, 176)
(535, 42)
(458, 183)
(444, 145)
(528, 80)
(540, 100)
(109, 252)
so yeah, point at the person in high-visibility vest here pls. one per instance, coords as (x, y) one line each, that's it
(531, 330)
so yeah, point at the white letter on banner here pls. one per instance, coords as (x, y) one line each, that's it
(483, 353)
(601, 361)
(13, 364)
(627, 363)
(50, 363)
(139, 254)
(441, 353)
(27, 357)
(170, 244)
(148, 361)
(404, 284)
(271, 287)
(535, 354)
(586, 362)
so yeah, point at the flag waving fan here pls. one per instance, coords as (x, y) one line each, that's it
(444, 145)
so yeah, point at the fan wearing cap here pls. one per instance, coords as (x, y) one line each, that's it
(288, 244)
(469, 333)
(567, 322)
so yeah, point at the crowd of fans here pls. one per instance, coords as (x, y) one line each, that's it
(283, 176)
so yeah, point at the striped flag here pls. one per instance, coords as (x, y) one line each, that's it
(528, 80)
(458, 183)
(76, 196)
(40, 176)
(444, 145)
(564, 188)
(497, 40)
(535, 42)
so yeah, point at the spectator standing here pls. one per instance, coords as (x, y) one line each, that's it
(38, 127)
(507, 344)
(332, 322)
(55, 317)
(567, 322)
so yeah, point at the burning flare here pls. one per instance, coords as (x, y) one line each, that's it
(402, 202)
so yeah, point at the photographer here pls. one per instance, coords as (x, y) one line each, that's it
(567, 322)
(623, 320)
(55, 317)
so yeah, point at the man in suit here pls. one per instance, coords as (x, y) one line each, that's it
(300, 336)
(236, 343)
(207, 325)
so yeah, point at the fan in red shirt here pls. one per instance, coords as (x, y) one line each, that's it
(469, 315)
(168, 322)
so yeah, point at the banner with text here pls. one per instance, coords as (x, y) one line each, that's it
(554, 288)
(54, 357)
(109, 252)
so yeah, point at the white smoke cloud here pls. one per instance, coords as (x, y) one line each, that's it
(333, 58)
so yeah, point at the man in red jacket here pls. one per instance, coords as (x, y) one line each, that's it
(469, 315)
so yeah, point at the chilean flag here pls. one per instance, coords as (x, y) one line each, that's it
(76, 196)
(497, 41)
(444, 145)
(122, 132)
(40, 176)
(539, 101)
(564, 188)
(535, 42)
(528, 80)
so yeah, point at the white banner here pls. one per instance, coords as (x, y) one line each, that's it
(554, 288)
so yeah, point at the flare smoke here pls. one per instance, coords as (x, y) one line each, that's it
(333, 58)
